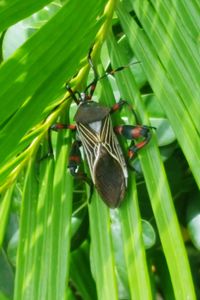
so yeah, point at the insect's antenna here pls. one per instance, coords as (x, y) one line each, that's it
(97, 78)
(118, 69)
(93, 84)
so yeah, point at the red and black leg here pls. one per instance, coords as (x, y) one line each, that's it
(74, 165)
(60, 126)
(74, 156)
(119, 105)
(132, 132)
(56, 127)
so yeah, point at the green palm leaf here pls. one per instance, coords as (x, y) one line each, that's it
(54, 246)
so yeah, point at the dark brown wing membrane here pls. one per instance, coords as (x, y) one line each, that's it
(109, 179)
(105, 159)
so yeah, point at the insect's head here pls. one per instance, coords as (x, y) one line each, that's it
(83, 97)
(78, 97)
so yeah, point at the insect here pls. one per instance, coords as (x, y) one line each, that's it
(95, 133)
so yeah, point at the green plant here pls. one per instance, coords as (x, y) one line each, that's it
(63, 249)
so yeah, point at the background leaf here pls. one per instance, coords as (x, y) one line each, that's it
(39, 68)
(54, 243)
(13, 11)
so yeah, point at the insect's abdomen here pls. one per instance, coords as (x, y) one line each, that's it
(109, 179)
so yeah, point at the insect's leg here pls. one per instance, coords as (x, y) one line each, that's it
(118, 106)
(73, 94)
(55, 127)
(134, 132)
(74, 156)
(113, 71)
(74, 164)
(49, 153)
(50, 147)
(60, 126)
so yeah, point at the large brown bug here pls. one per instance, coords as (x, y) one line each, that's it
(108, 168)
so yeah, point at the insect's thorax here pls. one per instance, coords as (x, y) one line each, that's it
(90, 111)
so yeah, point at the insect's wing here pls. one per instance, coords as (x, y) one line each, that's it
(105, 159)
(109, 178)
(90, 143)
(110, 169)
